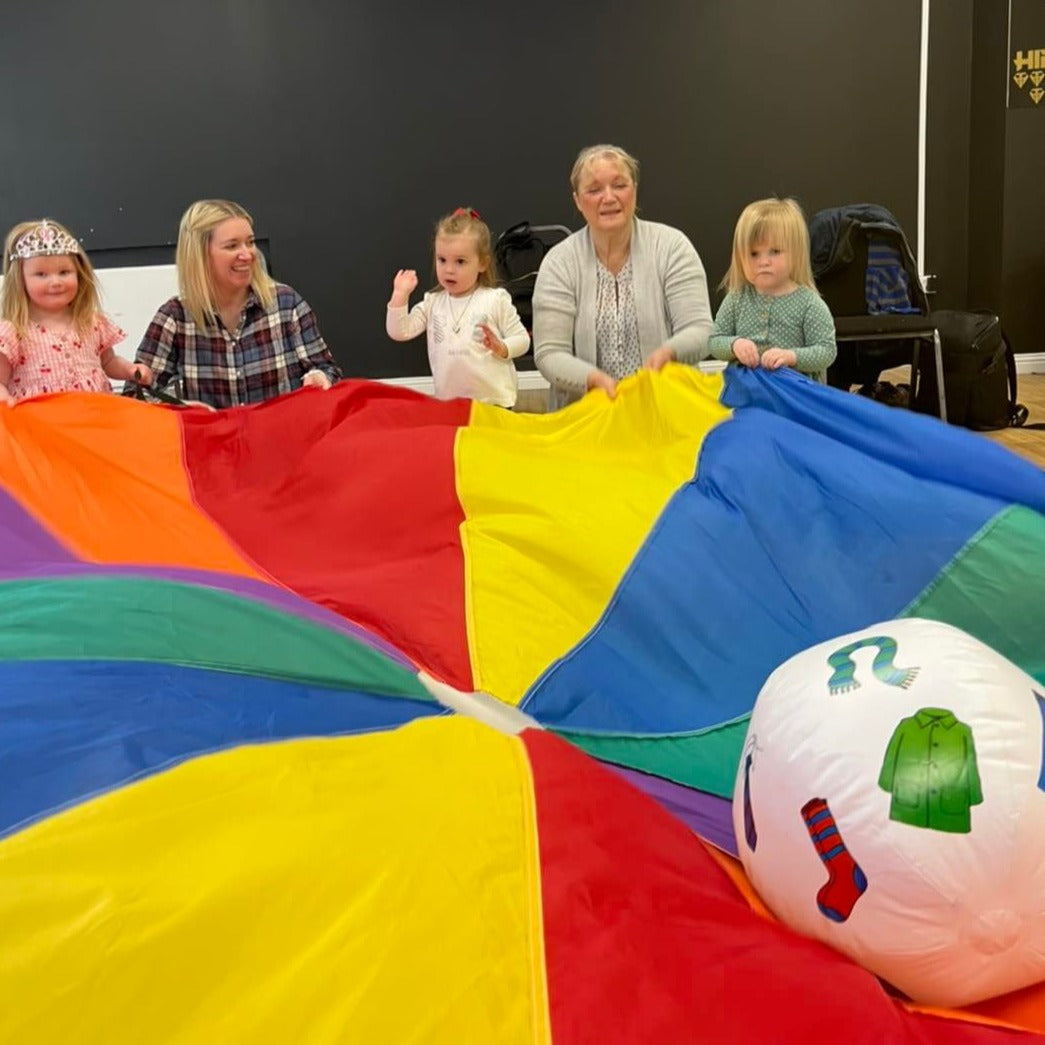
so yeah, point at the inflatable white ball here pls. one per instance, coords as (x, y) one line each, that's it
(889, 801)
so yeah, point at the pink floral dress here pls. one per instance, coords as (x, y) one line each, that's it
(48, 361)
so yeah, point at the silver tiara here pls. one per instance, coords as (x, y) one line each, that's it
(44, 239)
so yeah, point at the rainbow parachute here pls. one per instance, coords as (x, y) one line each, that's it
(232, 810)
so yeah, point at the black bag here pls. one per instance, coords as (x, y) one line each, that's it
(518, 253)
(979, 373)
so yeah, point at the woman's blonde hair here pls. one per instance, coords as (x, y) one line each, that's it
(612, 153)
(195, 283)
(780, 223)
(466, 222)
(14, 299)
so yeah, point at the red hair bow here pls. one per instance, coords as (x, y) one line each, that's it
(467, 210)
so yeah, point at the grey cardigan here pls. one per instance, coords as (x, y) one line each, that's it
(671, 299)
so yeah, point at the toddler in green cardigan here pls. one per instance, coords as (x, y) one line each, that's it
(772, 315)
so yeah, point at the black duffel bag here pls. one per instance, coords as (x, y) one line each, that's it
(979, 373)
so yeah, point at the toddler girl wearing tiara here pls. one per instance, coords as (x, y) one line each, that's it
(53, 336)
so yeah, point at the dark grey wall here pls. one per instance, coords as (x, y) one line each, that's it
(948, 130)
(987, 154)
(1023, 225)
(348, 126)
(1007, 153)
(1023, 252)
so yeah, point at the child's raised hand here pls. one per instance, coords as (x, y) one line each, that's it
(404, 284)
(142, 374)
(746, 351)
(492, 343)
(775, 358)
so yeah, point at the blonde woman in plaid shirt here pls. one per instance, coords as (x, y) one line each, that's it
(233, 335)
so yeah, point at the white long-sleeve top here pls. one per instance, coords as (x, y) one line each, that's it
(461, 366)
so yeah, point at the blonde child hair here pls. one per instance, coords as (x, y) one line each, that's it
(14, 299)
(466, 222)
(195, 287)
(613, 153)
(780, 223)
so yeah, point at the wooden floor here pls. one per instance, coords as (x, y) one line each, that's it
(1029, 444)
(1026, 443)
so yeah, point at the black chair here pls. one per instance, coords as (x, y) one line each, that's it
(519, 251)
(869, 343)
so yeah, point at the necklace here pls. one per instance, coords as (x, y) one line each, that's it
(455, 320)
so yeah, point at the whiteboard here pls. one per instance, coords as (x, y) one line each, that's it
(130, 297)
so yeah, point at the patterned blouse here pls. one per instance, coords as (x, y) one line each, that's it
(617, 349)
(44, 360)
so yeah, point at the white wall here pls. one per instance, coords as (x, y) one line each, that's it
(130, 297)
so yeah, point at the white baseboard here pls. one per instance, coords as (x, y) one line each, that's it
(1026, 363)
(530, 380)
(1030, 363)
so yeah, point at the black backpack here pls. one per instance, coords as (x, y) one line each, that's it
(979, 373)
(519, 251)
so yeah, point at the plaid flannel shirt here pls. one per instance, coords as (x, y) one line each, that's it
(267, 355)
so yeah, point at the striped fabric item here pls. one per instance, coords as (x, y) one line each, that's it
(886, 282)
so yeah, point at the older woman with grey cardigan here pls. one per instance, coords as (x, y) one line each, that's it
(621, 294)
